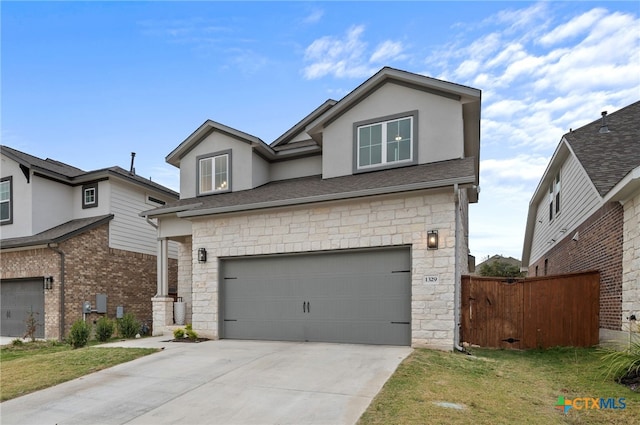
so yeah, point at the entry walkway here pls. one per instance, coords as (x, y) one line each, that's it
(219, 382)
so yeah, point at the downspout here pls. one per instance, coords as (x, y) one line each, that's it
(456, 292)
(62, 257)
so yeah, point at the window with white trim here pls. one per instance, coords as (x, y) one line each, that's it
(6, 200)
(214, 174)
(90, 196)
(385, 143)
(554, 197)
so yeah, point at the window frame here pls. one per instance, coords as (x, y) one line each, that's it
(213, 156)
(554, 197)
(9, 201)
(385, 164)
(85, 188)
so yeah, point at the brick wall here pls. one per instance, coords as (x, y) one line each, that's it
(384, 221)
(599, 247)
(91, 267)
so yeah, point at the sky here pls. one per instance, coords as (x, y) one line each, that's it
(87, 83)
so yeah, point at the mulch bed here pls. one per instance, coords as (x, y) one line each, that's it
(631, 380)
(188, 340)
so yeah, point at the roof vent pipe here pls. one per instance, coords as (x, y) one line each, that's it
(132, 170)
(603, 126)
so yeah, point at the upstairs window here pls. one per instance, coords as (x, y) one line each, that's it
(6, 200)
(554, 197)
(90, 196)
(387, 142)
(214, 173)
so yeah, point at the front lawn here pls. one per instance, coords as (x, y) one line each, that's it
(41, 364)
(500, 387)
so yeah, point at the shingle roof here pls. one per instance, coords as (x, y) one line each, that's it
(609, 157)
(73, 175)
(57, 234)
(315, 189)
(45, 164)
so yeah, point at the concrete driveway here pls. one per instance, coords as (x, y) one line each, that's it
(219, 382)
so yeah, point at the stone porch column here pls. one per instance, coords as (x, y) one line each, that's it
(162, 303)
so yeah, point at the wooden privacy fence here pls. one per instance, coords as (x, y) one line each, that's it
(536, 312)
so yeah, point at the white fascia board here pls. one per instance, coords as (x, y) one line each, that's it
(156, 212)
(626, 187)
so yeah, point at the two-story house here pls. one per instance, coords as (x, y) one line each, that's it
(585, 214)
(351, 227)
(69, 237)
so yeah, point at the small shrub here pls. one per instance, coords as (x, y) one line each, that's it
(79, 335)
(128, 326)
(192, 334)
(622, 364)
(178, 333)
(17, 342)
(104, 329)
(31, 323)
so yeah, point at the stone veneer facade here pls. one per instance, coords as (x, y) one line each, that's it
(631, 264)
(91, 267)
(384, 221)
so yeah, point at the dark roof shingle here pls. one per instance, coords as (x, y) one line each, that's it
(57, 234)
(310, 189)
(609, 157)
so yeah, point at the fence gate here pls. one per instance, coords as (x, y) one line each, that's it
(536, 312)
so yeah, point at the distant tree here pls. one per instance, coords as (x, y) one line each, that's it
(501, 269)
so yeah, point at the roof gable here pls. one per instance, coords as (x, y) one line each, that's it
(205, 130)
(390, 75)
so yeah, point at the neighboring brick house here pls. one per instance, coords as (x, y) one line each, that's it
(585, 213)
(69, 236)
(350, 227)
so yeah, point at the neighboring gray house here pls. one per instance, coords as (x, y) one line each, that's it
(67, 235)
(350, 227)
(585, 214)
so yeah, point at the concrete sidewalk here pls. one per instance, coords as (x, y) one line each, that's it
(219, 382)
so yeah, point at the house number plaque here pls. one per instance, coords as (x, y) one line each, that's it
(432, 279)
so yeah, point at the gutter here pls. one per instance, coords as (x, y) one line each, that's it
(62, 258)
(458, 277)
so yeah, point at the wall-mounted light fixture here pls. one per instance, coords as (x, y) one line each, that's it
(432, 239)
(48, 282)
(202, 255)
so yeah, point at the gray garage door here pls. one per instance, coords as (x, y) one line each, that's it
(348, 296)
(19, 298)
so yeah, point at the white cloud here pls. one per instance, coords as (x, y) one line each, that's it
(346, 57)
(340, 57)
(386, 51)
(314, 17)
(520, 167)
(573, 28)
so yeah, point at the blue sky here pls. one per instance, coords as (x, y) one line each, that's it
(87, 83)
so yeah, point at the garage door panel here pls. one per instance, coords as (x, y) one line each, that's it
(19, 298)
(347, 296)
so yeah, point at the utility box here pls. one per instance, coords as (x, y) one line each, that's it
(119, 312)
(101, 303)
(86, 307)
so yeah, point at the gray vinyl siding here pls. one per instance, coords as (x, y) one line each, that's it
(578, 200)
(128, 231)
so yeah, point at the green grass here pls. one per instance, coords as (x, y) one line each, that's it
(41, 364)
(499, 387)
